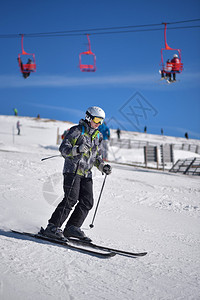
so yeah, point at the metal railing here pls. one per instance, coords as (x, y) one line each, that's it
(131, 144)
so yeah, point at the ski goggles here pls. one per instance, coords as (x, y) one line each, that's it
(97, 120)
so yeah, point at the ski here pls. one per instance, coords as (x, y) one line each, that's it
(78, 242)
(105, 248)
(70, 244)
(105, 254)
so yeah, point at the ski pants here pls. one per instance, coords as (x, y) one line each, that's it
(77, 190)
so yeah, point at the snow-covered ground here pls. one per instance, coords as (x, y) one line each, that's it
(140, 209)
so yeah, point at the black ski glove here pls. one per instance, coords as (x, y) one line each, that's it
(107, 169)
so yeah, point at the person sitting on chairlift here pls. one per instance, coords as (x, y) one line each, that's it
(166, 73)
(26, 72)
(175, 66)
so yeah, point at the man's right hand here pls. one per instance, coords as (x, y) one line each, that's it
(83, 148)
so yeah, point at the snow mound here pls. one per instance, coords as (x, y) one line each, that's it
(140, 210)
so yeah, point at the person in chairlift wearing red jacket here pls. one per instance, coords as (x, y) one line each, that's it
(176, 65)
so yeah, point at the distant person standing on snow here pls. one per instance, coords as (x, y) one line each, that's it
(106, 136)
(18, 127)
(118, 133)
(15, 112)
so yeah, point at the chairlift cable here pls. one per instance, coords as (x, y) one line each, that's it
(113, 32)
(78, 32)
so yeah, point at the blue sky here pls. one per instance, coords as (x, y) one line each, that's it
(126, 84)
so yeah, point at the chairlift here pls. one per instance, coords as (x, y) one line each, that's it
(30, 65)
(87, 67)
(176, 67)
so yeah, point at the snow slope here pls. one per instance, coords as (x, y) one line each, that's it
(140, 210)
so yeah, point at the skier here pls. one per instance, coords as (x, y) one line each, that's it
(118, 133)
(18, 125)
(15, 111)
(104, 129)
(81, 149)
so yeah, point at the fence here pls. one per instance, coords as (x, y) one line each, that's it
(189, 147)
(150, 154)
(167, 154)
(189, 166)
(131, 144)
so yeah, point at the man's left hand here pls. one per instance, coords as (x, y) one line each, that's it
(107, 169)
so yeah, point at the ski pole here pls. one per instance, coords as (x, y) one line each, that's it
(91, 225)
(50, 157)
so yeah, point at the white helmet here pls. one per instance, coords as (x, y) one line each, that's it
(94, 111)
(175, 55)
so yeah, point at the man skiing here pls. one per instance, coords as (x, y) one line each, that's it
(81, 149)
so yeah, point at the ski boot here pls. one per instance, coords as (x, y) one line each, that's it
(54, 232)
(76, 232)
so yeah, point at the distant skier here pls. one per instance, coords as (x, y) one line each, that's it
(15, 112)
(81, 149)
(104, 129)
(18, 125)
(118, 133)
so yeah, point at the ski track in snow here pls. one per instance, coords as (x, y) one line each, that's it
(140, 210)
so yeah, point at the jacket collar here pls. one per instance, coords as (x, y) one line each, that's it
(88, 128)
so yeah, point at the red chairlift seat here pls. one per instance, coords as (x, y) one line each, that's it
(30, 65)
(177, 67)
(87, 67)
